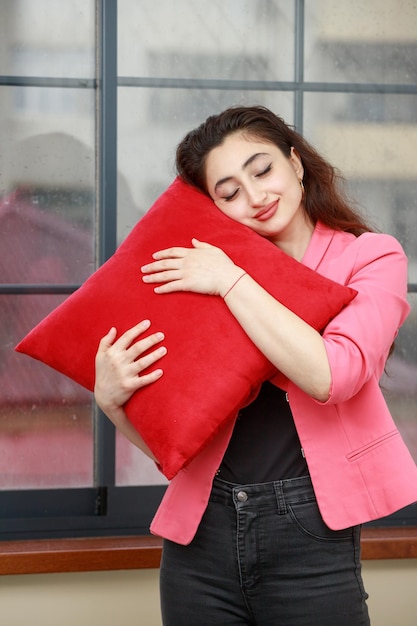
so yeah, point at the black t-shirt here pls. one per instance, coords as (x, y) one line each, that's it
(264, 446)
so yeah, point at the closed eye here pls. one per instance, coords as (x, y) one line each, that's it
(265, 171)
(231, 196)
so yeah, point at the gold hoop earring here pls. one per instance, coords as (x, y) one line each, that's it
(300, 180)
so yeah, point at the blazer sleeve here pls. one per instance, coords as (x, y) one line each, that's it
(359, 338)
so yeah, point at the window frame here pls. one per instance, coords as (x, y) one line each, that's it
(144, 552)
(106, 510)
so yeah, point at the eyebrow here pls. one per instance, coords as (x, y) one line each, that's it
(244, 166)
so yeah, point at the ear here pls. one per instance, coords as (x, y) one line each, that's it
(297, 164)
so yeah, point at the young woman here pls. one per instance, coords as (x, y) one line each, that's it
(263, 527)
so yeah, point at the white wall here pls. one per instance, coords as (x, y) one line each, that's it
(392, 588)
(131, 598)
(121, 598)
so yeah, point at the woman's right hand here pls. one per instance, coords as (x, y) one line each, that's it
(119, 363)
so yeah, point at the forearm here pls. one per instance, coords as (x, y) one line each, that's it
(294, 347)
(118, 417)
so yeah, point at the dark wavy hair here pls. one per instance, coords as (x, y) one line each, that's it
(324, 198)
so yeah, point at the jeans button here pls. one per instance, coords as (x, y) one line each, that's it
(242, 496)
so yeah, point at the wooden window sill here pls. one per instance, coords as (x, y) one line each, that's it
(122, 553)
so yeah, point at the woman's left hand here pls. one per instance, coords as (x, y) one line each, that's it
(200, 269)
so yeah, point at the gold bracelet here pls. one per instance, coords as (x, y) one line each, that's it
(235, 283)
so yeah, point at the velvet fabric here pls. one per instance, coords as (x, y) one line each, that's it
(212, 368)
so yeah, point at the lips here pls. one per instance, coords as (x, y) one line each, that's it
(266, 212)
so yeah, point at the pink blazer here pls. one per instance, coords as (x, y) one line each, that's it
(359, 465)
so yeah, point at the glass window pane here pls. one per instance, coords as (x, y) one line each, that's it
(400, 381)
(147, 138)
(47, 217)
(47, 186)
(46, 434)
(355, 41)
(133, 467)
(233, 40)
(47, 38)
(377, 158)
(375, 153)
(186, 41)
(150, 125)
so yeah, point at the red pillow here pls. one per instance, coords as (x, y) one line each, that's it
(212, 367)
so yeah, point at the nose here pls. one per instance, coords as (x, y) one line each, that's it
(257, 196)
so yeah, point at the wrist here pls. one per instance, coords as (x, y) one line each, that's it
(112, 410)
(234, 282)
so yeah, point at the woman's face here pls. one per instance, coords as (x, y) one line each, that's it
(254, 183)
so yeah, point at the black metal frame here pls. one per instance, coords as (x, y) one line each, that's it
(107, 509)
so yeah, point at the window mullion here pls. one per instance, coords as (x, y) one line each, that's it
(107, 199)
(299, 65)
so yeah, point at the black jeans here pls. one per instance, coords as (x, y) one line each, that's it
(263, 556)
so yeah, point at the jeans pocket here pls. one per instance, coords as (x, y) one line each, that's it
(307, 518)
